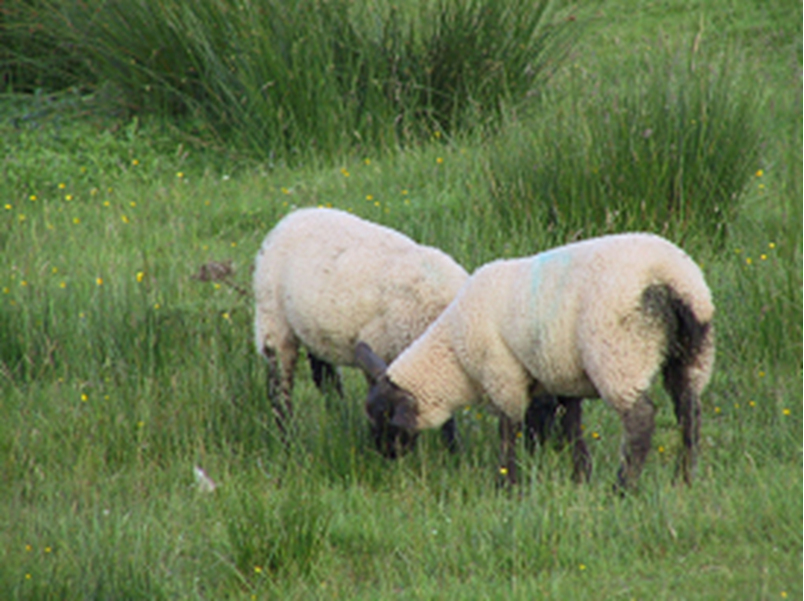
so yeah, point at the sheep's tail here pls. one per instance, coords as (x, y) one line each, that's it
(686, 333)
(687, 364)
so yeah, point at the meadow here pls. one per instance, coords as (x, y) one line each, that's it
(123, 370)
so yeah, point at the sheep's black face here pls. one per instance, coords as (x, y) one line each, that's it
(385, 407)
(392, 441)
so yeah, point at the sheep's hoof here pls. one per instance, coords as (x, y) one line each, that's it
(622, 486)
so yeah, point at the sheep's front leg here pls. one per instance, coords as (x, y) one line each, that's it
(449, 434)
(508, 432)
(638, 424)
(539, 419)
(571, 427)
(324, 375)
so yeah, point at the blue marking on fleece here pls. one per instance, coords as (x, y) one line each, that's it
(544, 260)
(558, 260)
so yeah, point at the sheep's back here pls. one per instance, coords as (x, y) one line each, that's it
(560, 310)
(336, 279)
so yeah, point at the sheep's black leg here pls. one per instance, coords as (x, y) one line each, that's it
(449, 434)
(571, 428)
(687, 406)
(688, 413)
(638, 425)
(539, 420)
(690, 422)
(691, 348)
(280, 406)
(324, 374)
(508, 432)
(279, 387)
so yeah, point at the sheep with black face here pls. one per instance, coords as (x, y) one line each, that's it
(597, 318)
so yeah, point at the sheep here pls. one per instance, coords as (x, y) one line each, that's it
(324, 279)
(596, 318)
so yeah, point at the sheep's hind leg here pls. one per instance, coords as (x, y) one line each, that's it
(638, 424)
(571, 429)
(279, 387)
(688, 414)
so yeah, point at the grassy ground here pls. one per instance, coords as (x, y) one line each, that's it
(120, 372)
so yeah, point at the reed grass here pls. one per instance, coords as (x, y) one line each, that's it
(286, 80)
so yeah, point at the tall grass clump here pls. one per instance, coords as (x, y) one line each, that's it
(31, 58)
(666, 143)
(279, 79)
(475, 55)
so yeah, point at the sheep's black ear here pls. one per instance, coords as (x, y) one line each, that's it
(369, 361)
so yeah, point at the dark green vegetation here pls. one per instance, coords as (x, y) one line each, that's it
(135, 155)
(282, 79)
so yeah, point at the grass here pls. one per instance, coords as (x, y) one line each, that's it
(286, 81)
(120, 372)
(652, 147)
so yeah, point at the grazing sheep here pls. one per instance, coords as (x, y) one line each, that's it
(326, 279)
(598, 318)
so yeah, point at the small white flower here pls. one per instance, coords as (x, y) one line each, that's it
(204, 482)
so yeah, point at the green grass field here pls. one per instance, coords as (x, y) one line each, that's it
(121, 371)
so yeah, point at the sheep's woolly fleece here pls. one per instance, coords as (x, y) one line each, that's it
(327, 279)
(573, 319)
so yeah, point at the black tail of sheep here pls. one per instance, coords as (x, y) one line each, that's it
(686, 336)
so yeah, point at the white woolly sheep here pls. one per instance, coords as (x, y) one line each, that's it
(326, 279)
(597, 318)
